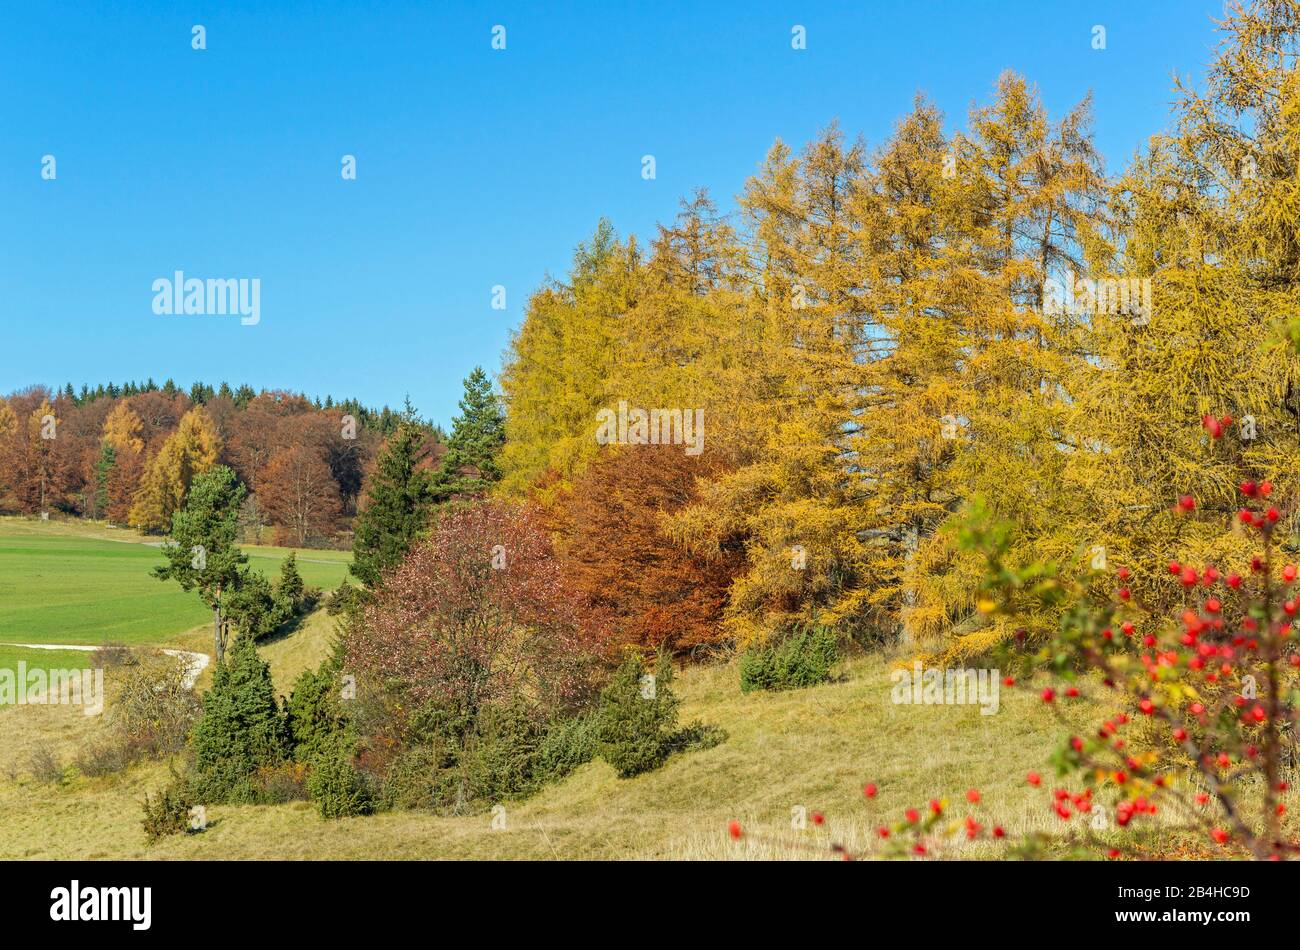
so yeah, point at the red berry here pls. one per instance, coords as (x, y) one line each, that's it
(1048, 694)
(998, 832)
(869, 790)
(912, 816)
(1034, 779)
(1187, 503)
(1248, 488)
(733, 829)
(1266, 488)
(972, 795)
(1219, 835)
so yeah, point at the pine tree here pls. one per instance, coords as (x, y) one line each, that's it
(477, 435)
(398, 504)
(202, 554)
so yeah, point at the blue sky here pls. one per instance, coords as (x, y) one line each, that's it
(475, 167)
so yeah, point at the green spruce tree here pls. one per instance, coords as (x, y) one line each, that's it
(477, 436)
(398, 504)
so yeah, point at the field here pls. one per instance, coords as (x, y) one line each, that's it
(63, 584)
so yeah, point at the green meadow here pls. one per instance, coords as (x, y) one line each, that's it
(11, 656)
(63, 585)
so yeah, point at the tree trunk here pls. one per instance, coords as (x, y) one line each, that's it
(218, 631)
(911, 541)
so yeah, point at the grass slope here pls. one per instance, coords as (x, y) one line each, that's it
(812, 748)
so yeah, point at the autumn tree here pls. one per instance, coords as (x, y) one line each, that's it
(8, 431)
(299, 494)
(124, 465)
(639, 588)
(33, 460)
(476, 621)
(791, 497)
(189, 451)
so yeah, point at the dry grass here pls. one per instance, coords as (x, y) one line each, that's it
(812, 748)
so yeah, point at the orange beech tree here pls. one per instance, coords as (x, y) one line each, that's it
(299, 494)
(639, 587)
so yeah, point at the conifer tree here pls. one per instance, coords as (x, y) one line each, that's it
(242, 727)
(469, 466)
(201, 553)
(398, 504)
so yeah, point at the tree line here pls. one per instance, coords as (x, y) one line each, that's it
(128, 453)
(881, 335)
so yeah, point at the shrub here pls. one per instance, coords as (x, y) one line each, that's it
(336, 786)
(315, 710)
(419, 777)
(251, 606)
(475, 645)
(802, 658)
(112, 654)
(45, 765)
(106, 758)
(477, 615)
(568, 743)
(1210, 682)
(277, 784)
(500, 758)
(637, 717)
(167, 813)
(155, 707)
(345, 599)
(152, 714)
(242, 728)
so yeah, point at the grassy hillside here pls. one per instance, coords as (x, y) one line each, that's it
(813, 748)
(63, 583)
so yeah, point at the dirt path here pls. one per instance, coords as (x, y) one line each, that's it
(195, 663)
